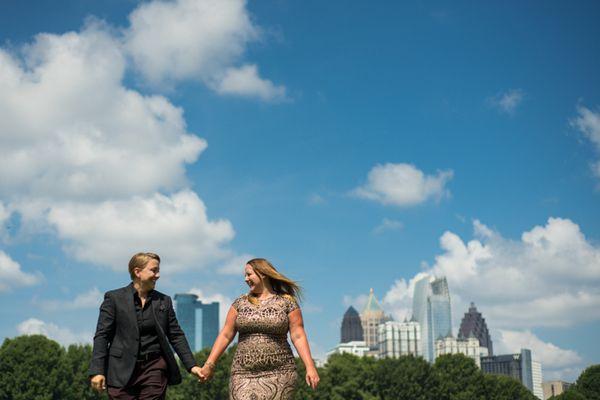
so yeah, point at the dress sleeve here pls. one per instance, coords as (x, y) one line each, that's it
(237, 302)
(291, 304)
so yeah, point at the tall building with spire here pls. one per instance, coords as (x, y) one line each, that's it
(371, 316)
(351, 327)
(473, 325)
(431, 309)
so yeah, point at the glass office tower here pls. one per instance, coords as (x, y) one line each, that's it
(431, 308)
(199, 321)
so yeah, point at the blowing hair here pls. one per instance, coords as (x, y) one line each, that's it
(282, 285)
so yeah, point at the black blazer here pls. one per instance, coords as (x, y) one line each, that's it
(116, 340)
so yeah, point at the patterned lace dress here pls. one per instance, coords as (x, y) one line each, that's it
(263, 366)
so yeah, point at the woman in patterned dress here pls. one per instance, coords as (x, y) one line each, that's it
(263, 366)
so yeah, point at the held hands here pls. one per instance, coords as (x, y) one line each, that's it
(312, 378)
(98, 383)
(198, 372)
(207, 371)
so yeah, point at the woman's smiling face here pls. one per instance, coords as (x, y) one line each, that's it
(253, 280)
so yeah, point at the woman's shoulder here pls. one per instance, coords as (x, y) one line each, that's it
(289, 301)
(239, 300)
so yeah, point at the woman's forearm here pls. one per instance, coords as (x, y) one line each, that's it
(301, 344)
(221, 343)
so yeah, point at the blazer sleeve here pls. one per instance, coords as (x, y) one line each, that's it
(177, 338)
(105, 332)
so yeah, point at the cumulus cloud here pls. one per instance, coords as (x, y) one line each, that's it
(11, 275)
(245, 81)
(545, 352)
(69, 129)
(90, 299)
(507, 102)
(235, 264)
(588, 123)
(202, 40)
(387, 225)
(403, 185)
(64, 336)
(550, 277)
(100, 165)
(175, 226)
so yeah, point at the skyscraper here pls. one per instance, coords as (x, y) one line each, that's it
(399, 339)
(199, 321)
(351, 327)
(431, 308)
(518, 366)
(371, 317)
(473, 324)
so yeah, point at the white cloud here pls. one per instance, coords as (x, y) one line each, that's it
(90, 299)
(507, 102)
(588, 123)
(245, 81)
(235, 264)
(546, 353)
(64, 336)
(403, 185)
(223, 300)
(188, 39)
(175, 226)
(387, 225)
(548, 278)
(525, 283)
(11, 275)
(398, 299)
(316, 199)
(86, 158)
(69, 129)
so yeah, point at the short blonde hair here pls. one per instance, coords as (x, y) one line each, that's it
(140, 260)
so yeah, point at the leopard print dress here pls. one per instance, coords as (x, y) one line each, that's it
(263, 366)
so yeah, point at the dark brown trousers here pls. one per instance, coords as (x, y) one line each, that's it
(148, 382)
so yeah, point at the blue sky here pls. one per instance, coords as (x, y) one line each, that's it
(355, 145)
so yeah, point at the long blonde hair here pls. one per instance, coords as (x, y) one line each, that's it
(281, 284)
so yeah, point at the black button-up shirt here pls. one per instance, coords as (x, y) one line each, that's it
(146, 325)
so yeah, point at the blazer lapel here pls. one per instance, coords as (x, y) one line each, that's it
(131, 308)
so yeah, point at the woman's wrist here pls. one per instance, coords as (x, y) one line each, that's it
(211, 365)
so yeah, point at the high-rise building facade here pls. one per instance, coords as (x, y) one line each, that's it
(358, 348)
(399, 339)
(554, 388)
(371, 316)
(469, 347)
(199, 321)
(352, 330)
(518, 366)
(431, 309)
(473, 324)
(537, 378)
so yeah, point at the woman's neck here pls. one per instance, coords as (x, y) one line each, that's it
(141, 291)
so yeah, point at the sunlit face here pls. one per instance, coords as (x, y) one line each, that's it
(148, 275)
(253, 280)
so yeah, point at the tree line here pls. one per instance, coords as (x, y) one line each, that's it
(37, 368)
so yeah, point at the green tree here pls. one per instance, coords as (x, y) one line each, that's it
(571, 394)
(347, 377)
(588, 383)
(29, 368)
(74, 382)
(500, 387)
(406, 377)
(458, 378)
(215, 389)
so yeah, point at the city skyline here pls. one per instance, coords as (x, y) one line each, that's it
(355, 146)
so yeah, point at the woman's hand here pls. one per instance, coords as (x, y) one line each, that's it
(312, 378)
(206, 372)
